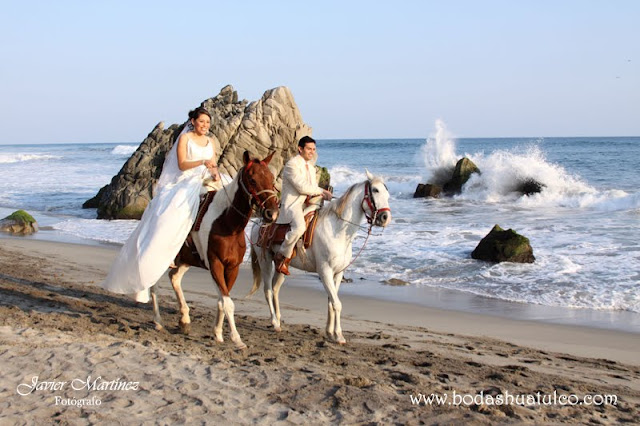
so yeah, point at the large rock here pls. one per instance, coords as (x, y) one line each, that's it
(272, 123)
(427, 191)
(463, 171)
(19, 222)
(504, 246)
(529, 186)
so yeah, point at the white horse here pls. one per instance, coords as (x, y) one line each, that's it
(331, 250)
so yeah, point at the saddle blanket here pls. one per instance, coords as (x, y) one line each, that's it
(274, 233)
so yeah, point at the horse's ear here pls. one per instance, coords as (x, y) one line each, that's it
(245, 158)
(369, 175)
(269, 157)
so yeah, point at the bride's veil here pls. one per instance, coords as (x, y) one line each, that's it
(170, 169)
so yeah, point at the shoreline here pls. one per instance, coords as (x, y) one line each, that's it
(59, 327)
(303, 293)
(421, 296)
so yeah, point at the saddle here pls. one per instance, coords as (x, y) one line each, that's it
(189, 247)
(274, 233)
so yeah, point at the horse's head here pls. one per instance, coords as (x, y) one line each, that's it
(257, 180)
(376, 201)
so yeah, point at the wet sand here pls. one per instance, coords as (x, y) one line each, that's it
(57, 325)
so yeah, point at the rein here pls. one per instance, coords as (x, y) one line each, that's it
(368, 198)
(254, 199)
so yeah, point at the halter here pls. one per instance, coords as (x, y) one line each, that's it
(254, 198)
(368, 198)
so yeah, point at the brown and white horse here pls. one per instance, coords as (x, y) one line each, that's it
(221, 239)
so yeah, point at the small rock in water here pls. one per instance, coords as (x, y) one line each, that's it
(395, 282)
(19, 222)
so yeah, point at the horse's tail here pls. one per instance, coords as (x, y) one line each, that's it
(255, 268)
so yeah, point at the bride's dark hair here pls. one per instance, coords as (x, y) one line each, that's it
(198, 112)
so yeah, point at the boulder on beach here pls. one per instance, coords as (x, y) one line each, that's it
(272, 123)
(427, 191)
(20, 223)
(504, 246)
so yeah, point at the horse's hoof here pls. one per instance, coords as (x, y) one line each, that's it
(278, 329)
(185, 328)
(158, 326)
(240, 346)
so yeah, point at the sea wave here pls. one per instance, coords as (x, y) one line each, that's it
(124, 149)
(110, 231)
(18, 158)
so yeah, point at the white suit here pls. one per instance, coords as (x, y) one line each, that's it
(298, 181)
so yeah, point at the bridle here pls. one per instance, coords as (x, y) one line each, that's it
(254, 197)
(371, 203)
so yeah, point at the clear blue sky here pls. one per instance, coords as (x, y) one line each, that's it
(84, 71)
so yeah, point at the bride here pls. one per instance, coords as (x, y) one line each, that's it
(168, 218)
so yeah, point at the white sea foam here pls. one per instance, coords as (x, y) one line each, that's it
(124, 149)
(112, 231)
(18, 158)
(439, 152)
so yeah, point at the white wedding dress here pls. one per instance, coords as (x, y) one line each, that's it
(164, 226)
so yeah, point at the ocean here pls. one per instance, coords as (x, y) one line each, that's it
(583, 227)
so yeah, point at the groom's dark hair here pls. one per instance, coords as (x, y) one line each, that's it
(305, 140)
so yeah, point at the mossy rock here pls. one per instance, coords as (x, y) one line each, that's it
(21, 216)
(504, 246)
(130, 212)
(19, 222)
(463, 171)
(324, 178)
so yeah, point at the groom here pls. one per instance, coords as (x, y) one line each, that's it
(298, 183)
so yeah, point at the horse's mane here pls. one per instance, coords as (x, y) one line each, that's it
(341, 203)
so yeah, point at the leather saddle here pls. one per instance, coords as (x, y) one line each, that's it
(189, 250)
(274, 233)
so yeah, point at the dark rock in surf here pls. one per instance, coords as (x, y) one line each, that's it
(463, 171)
(504, 246)
(427, 191)
(529, 186)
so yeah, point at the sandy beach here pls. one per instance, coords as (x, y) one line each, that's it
(74, 354)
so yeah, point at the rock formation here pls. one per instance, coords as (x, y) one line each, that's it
(19, 222)
(461, 174)
(504, 246)
(529, 186)
(449, 184)
(272, 123)
(427, 190)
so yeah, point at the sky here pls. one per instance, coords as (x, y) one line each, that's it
(83, 71)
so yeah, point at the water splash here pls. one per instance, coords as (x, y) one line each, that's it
(439, 154)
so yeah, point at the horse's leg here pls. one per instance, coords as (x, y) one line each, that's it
(175, 275)
(326, 275)
(157, 320)
(230, 276)
(217, 330)
(333, 320)
(225, 280)
(278, 280)
(268, 279)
